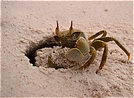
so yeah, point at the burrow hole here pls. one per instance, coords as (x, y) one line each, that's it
(30, 52)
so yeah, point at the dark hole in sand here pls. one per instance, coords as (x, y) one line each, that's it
(30, 52)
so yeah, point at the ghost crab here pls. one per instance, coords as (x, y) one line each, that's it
(81, 48)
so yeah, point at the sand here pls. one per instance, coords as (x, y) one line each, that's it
(26, 24)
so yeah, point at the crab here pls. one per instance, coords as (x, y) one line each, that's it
(81, 48)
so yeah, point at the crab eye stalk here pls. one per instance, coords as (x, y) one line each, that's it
(57, 25)
(57, 30)
(71, 28)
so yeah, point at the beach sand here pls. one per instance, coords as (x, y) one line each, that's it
(26, 24)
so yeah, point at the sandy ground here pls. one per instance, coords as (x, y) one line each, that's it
(24, 23)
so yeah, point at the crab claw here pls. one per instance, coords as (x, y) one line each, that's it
(76, 55)
(80, 52)
(83, 45)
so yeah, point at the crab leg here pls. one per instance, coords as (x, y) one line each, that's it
(97, 34)
(107, 39)
(97, 44)
(87, 64)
